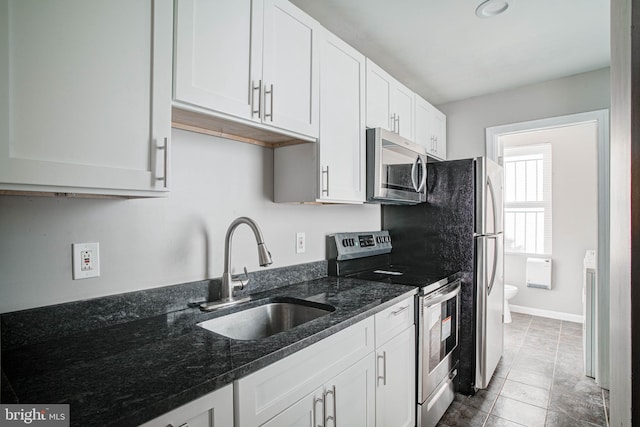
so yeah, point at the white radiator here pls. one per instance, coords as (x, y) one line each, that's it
(539, 273)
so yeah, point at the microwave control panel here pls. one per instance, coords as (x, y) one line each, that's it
(343, 246)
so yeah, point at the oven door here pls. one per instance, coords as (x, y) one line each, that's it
(438, 337)
(396, 169)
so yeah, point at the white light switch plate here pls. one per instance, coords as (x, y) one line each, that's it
(86, 260)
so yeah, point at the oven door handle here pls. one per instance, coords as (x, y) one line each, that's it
(438, 298)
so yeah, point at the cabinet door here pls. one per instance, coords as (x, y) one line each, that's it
(396, 381)
(439, 130)
(212, 410)
(86, 95)
(212, 57)
(342, 103)
(430, 129)
(349, 397)
(379, 87)
(290, 68)
(307, 412)
(403, 102)
(422, 121)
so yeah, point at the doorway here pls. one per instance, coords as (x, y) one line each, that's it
(497, 136)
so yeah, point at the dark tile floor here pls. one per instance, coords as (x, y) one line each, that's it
(538, 382)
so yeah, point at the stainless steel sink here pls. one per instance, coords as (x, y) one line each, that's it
(275, 316)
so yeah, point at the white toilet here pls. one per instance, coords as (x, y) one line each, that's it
(510, 291)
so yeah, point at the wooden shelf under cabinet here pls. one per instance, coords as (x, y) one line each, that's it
(210, 125)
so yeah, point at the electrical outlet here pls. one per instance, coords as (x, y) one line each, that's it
(300, 243)
(86, 260)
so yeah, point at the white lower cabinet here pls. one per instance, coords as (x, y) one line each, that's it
(350, 397)
(362, 376)
(284, 390)
(396, 402)
(307, 412)
(345, 400)
(396, 380)
(213, 410)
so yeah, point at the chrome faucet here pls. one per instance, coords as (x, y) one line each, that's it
(229, 284)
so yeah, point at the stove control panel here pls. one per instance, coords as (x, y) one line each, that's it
(342, 246)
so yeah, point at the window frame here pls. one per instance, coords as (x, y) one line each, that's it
(527, 152)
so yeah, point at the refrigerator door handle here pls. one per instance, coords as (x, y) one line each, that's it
(495, 263)
(492, 193)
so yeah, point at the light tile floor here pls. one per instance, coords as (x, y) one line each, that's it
(538, 382)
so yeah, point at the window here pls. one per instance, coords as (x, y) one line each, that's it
(527, 206)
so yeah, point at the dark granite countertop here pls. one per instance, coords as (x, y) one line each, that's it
(128, 373)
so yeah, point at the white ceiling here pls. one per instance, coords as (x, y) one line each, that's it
(443, 52)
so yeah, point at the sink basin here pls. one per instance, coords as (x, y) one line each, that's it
(275, 316)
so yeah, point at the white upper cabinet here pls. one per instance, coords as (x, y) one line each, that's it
(390, 105)
(431, 129)
(290, 68)
(342, 137)
(333, 170)
(438, 124)
(213, 55)
(251, 60)
(85, 96)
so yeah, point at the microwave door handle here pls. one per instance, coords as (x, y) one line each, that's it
(414, 174)
(423, 181)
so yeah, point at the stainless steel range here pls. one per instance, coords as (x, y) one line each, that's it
(366, 256)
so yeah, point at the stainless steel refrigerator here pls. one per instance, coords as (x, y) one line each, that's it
(459, 228)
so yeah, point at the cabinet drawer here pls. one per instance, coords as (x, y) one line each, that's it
(394, 320)
(269, 391)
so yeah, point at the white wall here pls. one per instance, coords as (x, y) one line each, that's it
(575, 219)
(467, 119)
(147, 243)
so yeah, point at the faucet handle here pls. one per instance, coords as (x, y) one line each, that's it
(240, 282)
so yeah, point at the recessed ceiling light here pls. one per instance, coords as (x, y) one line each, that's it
(491, 8)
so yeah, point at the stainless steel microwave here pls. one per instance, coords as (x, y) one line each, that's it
(396, 169)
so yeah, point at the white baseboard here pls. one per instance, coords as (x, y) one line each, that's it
(547, 313)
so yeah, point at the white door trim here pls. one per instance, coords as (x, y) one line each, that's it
(601, 119)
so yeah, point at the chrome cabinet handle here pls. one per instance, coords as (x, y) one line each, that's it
(383, 377)
(333, 417)
(165, 148)
(270, 93)
(393, 123)
(253, 93)
(400, 310)
(325, 190)
(398, 130)
(315, 405)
